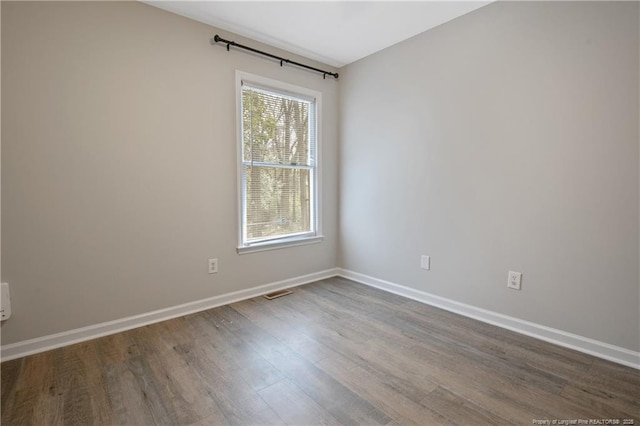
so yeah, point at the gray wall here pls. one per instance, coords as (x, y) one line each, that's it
(118, 165)
(506, 139)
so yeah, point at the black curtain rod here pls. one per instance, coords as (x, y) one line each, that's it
(218, 39)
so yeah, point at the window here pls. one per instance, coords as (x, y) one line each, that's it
(278, 164)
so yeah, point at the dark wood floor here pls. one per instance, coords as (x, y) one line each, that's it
(333, 352)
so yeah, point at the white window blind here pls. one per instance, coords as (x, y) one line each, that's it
(278, 150)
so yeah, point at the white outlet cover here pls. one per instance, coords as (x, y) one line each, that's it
(5, 302)
(425, 262)
(213, 266)
(514, 280)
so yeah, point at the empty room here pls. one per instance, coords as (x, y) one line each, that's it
(323, 212)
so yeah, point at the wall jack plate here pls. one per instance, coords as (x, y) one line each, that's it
(515, 280)
(5, 302)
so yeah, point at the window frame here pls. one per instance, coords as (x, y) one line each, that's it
(285, 89)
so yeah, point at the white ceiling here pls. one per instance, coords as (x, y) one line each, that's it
(333, 32)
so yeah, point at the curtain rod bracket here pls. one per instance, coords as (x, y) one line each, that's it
(218, 39)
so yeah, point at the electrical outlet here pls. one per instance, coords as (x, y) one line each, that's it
(213, 266)
(5, 302)
(515, 280)
(425, 262)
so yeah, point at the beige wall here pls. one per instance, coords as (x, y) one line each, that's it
(506, 139)
(118, 165)
(0, 142)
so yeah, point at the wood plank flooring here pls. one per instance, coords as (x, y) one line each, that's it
(333, 352)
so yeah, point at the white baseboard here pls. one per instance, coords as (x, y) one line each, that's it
(583, 344)
(53, 341)
(572, 341)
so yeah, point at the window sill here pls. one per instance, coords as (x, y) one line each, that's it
(284, 243)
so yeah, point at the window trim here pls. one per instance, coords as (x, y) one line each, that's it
(291, 240)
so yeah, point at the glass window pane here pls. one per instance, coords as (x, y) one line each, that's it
(277, 201)
(275, 129)
(278, 162)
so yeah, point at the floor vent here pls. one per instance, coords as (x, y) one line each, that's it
(276, 294)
